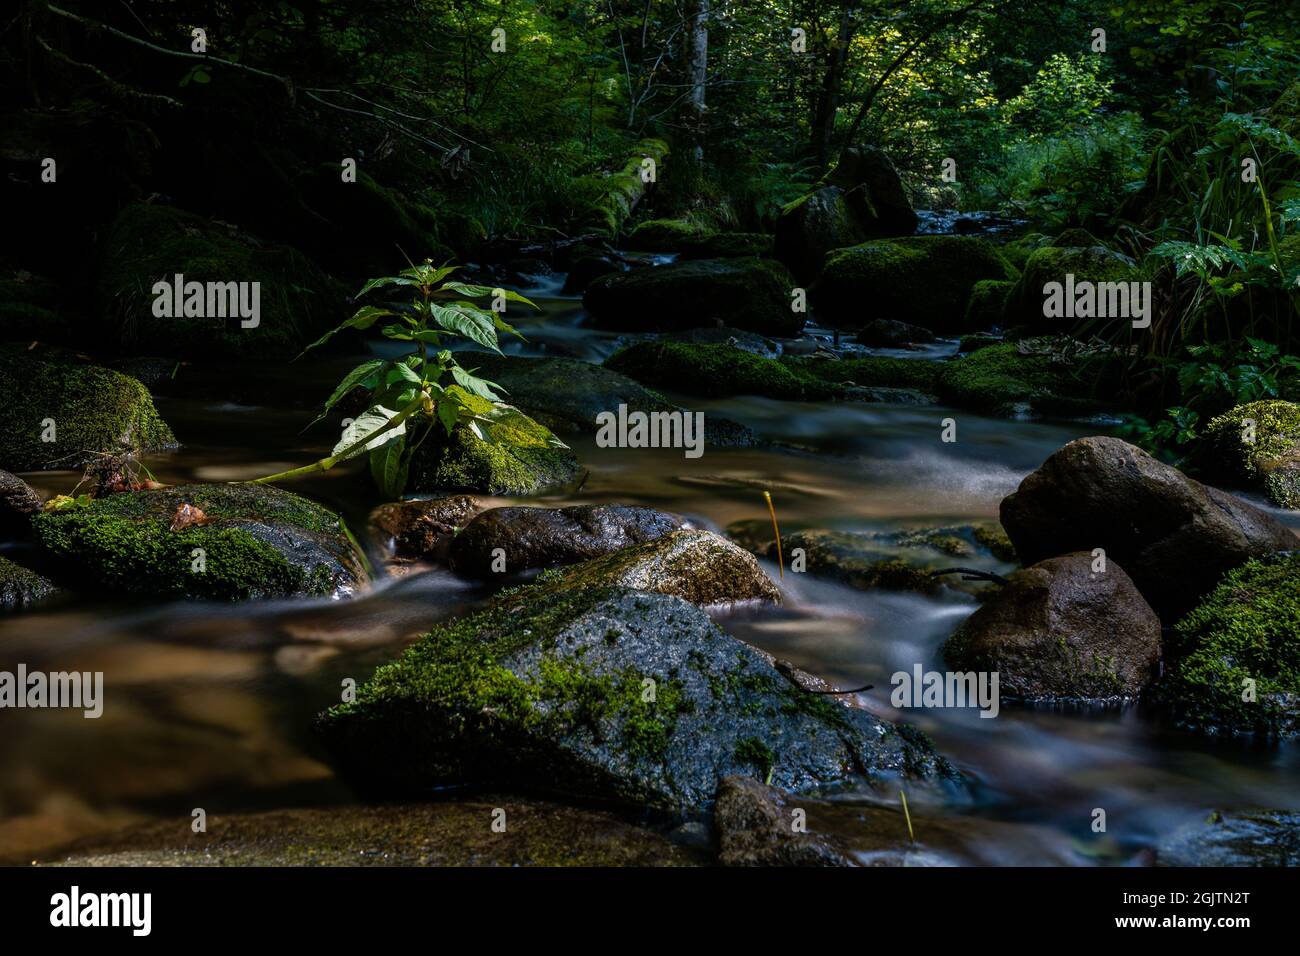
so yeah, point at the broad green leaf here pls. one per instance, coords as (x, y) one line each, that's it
(390, 469)
(364, 318)
(469, 321)
(383, 281)
(373, 421)
(475, 386)
(349, 382)
(448, 414)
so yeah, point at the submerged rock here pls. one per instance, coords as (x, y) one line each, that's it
(698, 566)
(18, 502)
(608, 694)
(523, 457)
(423, 528)
(1244, 635)
(755, 827)
(253, 541)
(751, 294)
(1174, 536)
(85, 410)
(1060, 630)
(546, 537)
(148, 243)
(21, 588)
(925, 279)
(1235, 838)
(891, 332)
(1266, 455)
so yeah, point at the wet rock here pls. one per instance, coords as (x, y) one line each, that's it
(18, 502)
(716, 370)
(721, 335)
(21, 588)
(422, 529)
(258, 542)
(926, 278)
(523, 457)
(608, 694)
(92, 410)
(1059, 630)
(545, 537)
(1011, 378)
(1242, 635)
(587, 270)
(1265, 455)
(698, 566)
(754, 825)
(437, 833)
(1235, 838)
(750, 294)
(892, 333)
(694, 242)
(1174, 536)
(986, 308)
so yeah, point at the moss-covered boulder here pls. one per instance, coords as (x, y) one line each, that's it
(752, 294)
(218, 542)
(1255, 445)
(1008, 379)
(20, 588)
(1235, 658)
(522, 457)
(986, 307)
(1060, 629)
(925, 280)
(546, 537)
(870, 372)
(614, 196)
(698, 566)
(714, 370)
(1094, 264)
(691, 241)
(147, 244)
(602, 693)
(56, 412)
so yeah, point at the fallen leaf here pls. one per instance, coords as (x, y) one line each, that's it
(187, 515)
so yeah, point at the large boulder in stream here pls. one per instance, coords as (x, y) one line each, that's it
(411, 530)
(925, 280)
(522, 456)
(603, 694)
(1174, 536)
(56, 412)
(751, 294)
(219, 542)
(547, 537)
(861, 198)
(1060, 629)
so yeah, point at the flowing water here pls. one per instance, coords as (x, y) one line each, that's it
(210, 705)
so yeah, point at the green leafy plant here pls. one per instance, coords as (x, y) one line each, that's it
(411, 396)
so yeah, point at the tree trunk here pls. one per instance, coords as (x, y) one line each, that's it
(697, 64)
(828, 101)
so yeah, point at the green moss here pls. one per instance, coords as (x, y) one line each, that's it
(987, 304)
(522, 458)
(999, 378)
(757, 754)
(93, 410)
(993, 538)
(148, 243)
(715, 370)
(258, 541)
(1052, 264)
(19, 587)
(616, 195)
(1245, 629)
(663, 235)
(1271, 460)
(869, 372)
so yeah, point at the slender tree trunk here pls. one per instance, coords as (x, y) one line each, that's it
(697, 66)
(828, 101)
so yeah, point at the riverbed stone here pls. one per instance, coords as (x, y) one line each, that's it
(18, 502)
(1174, 536)
(751, 294)
(891, 333)
(255, 541)
(1255, 837)
(754, 824)
(925, 280)
(422, 528)
(548, 537)
(20, 588)
(609, 694)
(87, 411)
(1060, 629)
(1245, 633)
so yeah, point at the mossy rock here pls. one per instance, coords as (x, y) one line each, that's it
(93, 410)
(925, 280)
(1245, 630)
(31, 310)
(874, 371)
(1095, 264)
(1002, 380)
(1270, 460)
(987, 304)
(751, 294)
(21, 588)
(973, 343)
(257, 541)
(695, 242)
(602, 694)
(523, 457)
(149, 243)
(663, 235)
(615, 196)
(1075, 237)
(715, 370)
